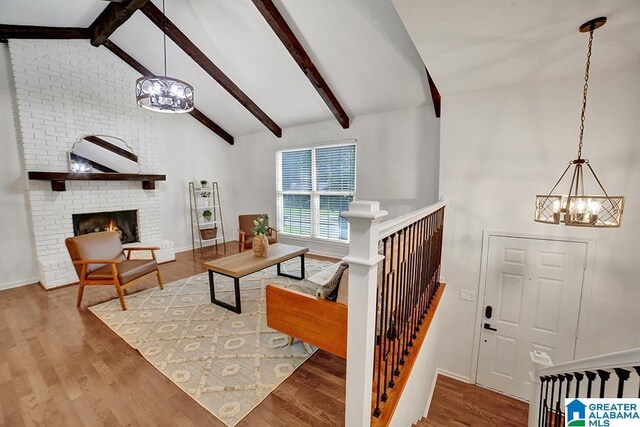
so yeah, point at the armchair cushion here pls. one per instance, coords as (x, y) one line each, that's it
(127, 270)
(103, 245)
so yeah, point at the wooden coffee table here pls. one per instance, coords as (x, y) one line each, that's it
(245, 263)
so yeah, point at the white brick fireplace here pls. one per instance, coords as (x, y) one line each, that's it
(67, 89)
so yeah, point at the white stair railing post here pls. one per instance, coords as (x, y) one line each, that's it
(364, 218)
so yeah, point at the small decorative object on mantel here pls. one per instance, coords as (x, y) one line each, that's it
(577, 208)
(260, 243)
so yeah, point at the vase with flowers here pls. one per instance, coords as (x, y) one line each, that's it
(260, 229)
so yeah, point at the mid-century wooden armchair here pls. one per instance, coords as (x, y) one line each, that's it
(100, 259)
(245, 235)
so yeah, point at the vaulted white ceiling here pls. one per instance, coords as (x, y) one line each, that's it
(360, 47)
(472, 45)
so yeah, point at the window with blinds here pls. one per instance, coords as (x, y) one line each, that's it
(313, 186)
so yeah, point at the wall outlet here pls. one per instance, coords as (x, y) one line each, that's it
(467, 295)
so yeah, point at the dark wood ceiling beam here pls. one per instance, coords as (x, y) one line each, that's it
(112, 17)
(435, 94)
(179, 38)
(276, 21)
(195, 113)
(37, 32)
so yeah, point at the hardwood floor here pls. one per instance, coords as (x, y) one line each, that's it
(456, 403)
(60, 365)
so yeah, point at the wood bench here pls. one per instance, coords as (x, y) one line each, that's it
(317, 321)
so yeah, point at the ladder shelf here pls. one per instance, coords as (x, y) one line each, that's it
(203, 199)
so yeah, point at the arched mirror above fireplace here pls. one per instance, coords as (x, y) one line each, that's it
(102, 154)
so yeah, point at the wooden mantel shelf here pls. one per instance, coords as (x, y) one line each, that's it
(58, 179)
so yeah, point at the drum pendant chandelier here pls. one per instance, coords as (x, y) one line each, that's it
(161, 93)
(577, 208)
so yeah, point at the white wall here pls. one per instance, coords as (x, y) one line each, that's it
(397, 162)
(417, 393)
(191, 152)
(503, 146)
(17, 255)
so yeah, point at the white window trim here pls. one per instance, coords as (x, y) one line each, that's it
(314, 194)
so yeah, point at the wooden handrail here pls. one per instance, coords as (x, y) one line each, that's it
(394, 224)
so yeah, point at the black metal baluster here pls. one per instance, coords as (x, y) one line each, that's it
(407, 265)
(546, 399)
(549, 416)
(569, 377)
(590, 376)
(558, 410)
(425, 266)
(579, 378)
(396, 291)
(423, 269)
(432, 228)
(387, 320)
(412, 291)
(623, 375)
(414, 283)
(392, 327)
(604, 377)
(381, 334)
(541, 401)
(403, 299)
(399, 306)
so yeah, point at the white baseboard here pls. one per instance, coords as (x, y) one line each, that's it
(18, 283)
(324, 254)
(433, 387)
(453, 375)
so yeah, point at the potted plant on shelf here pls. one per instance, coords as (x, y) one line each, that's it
(203, 183)
(207, 215)
(260, 243)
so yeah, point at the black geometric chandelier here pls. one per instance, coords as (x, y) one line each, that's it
(161, 93)
(577, 208)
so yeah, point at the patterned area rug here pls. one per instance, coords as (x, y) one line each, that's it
(227, 362)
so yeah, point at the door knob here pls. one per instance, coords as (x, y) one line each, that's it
(488, 326)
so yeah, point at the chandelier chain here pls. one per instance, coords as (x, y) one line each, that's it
(164, 37)
(584, 93)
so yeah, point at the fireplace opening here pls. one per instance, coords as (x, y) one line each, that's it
(124, 222)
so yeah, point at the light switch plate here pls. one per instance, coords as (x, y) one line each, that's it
(468, 295)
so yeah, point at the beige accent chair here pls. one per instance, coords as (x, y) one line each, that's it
(245, 235)
(100, 259)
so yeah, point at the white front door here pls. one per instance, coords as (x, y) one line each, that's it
(531, 302)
